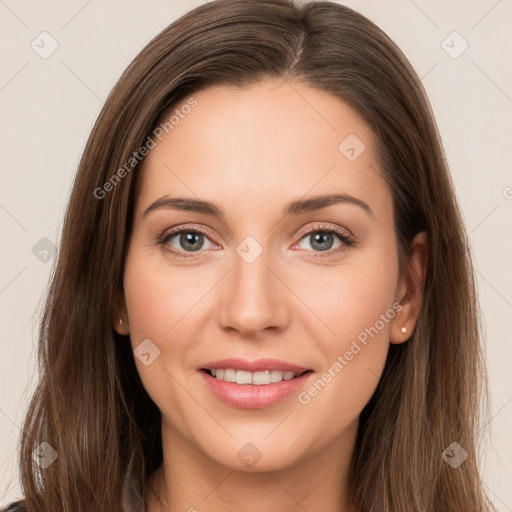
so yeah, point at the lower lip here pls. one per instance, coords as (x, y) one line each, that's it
(250, 396)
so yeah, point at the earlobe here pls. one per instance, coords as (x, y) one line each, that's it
(120, 319)
(120, 327)
(410, 290)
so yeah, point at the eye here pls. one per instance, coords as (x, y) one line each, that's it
(326, 239)
(182, 241)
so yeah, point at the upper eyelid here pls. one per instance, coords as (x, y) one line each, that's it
(325, 227)
(190, 227)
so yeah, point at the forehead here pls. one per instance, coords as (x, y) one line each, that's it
(276, 139)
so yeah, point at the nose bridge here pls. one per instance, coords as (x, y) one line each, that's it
(252, 299)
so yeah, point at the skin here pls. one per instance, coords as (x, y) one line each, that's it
(251, 152)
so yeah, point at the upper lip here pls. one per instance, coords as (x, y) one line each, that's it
(253, 366)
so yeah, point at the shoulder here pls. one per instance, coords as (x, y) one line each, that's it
(17, 506)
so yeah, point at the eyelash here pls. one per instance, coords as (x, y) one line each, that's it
(346, 239)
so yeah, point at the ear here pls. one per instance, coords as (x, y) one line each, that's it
(409, 292)
(120, 320)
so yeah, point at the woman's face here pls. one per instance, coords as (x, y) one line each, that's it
(257, 282)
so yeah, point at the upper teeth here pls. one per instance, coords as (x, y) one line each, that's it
(257, 378)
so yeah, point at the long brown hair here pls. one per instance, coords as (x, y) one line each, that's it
(90, 405)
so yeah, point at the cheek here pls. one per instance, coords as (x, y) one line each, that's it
(162, 305)
(349, 299)
(159, 297)
(355, 304)
(148, 305)
(155, 303)
(168, 305)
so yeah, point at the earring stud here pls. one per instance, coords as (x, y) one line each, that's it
(404, 330)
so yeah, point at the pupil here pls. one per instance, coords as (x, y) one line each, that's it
(322, 238)
(191, 241)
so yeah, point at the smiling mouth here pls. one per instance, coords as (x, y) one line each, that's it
(260, 378)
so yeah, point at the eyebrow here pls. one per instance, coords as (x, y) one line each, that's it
(296, 207)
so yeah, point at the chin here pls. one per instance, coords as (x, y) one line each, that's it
(256, 456)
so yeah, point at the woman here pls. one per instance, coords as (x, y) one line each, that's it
(264, 296)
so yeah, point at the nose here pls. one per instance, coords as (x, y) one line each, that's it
(253, 298)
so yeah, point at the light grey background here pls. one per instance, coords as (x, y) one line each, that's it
(48, 108)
